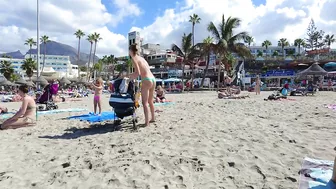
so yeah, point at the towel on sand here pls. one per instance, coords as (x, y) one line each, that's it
(164, 103)
(92, 118)
(331, 106)
(316, 174)
(61, 111)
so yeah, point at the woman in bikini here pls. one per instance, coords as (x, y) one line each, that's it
(3, 110)
(26, 116)
(148, 82)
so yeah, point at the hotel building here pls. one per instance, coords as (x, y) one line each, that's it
(55, 65)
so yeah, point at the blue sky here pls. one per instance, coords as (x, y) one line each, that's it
(113, 19)
(150, 10)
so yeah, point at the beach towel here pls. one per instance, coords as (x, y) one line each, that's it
(6, 115)
(61, 111)
(331, 106)
(91, 118)
(164, 103)
(316, 174)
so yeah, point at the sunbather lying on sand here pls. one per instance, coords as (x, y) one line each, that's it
(3, 110)
(227, 95)
(275, 97)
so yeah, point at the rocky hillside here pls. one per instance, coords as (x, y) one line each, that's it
(55, 48)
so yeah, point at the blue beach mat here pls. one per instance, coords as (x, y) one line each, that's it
(90, 117)
(61, 111)
(316, 174)
(10, 114)
(164, 103)
(6, 115)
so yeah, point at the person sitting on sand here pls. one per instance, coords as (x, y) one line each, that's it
(160, 94)
(26, 116)
(3, 110)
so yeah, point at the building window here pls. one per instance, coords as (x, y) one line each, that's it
(130, 42)
(133, 41)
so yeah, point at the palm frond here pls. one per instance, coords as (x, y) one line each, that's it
(213, 30)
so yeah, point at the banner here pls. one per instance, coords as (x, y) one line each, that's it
(319, 51)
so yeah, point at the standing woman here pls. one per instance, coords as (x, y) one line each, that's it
(147, 82)
(257, 86)
(26, 116)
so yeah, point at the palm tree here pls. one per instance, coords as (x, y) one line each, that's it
(96, 37)
(109, 61)
(329, 39)
(299, 43)
(283, 43)
(187, 52)
(249, 39)
(29, 65)
(44, 40)
(98, 67)
(194, 19)
(6, 69)
(79, 34)
(90, 38)
(266, 44)
(230, 59)
(14, 77)
(208, 46)
(30, 42)
(227, 41)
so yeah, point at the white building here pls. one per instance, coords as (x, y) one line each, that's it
(16, 63)
(134, 37)
(57, 66)
(271, 49)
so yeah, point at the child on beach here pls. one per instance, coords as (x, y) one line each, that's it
(257, 86)
(160, 94)
(98, 88)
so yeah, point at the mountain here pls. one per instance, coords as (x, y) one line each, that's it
(55, 48)
(16, 54)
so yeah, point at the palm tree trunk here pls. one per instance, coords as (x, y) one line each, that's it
(45, 52)
(93, 60)
(219, 76)
(183, 65)
(88, 65)
(193, 34)
(206, 70)
(30, 50)
(78, 56)
(299, 53)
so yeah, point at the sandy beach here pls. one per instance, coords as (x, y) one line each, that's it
(200, 142)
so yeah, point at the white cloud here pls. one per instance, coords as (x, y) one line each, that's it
(60, 18)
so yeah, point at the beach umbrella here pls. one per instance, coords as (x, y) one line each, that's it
(65, 81)
(172, 80)
(5, 82)
(30, 84)
(82, 81)
(330, 65)
(21, 81)
(41, 79)
(313, 70)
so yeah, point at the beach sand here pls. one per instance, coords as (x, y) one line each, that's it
(199, 142)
